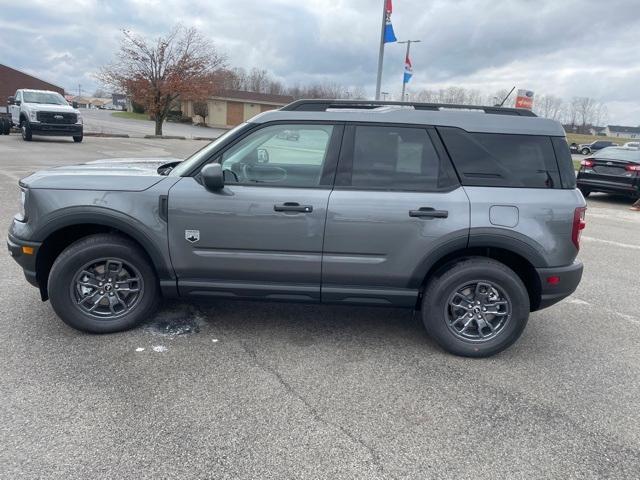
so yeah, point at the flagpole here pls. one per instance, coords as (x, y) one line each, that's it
(404, 84)
(381, 54)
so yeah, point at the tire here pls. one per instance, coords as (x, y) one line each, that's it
(78, 139)
(6, 130)
(507, 325)
(26, 131)
(585, 151)
(585, 191)
(67, 284)
(3, 126)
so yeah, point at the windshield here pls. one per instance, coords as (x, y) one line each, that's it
(203, 153)
(51, 98)
(627, 154)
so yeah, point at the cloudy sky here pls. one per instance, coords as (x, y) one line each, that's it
(561, 47)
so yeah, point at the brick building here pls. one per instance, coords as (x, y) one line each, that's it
(12, 79)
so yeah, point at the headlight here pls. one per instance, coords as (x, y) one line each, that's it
(33, 116)
(79, 119)
(22, 212)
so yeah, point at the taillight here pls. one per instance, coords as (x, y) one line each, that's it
(588, 163)
(578, 225)
(632, 168)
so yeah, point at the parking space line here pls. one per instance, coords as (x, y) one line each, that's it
(611, 242)
(579, 301)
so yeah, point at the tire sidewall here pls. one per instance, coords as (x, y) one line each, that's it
(585, 151)
(71, 260)
(440, 290)
(25, 130)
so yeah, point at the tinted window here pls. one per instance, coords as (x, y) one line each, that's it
(490, 159)
(395, 158)
(284, 155)
(565, 162)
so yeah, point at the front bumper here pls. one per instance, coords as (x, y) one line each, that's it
(74, 129)
(558, 283)
(25, 260)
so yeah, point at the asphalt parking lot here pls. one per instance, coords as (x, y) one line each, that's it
(268, 390)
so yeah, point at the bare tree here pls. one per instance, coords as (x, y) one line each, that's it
(585, 108)
(549, 106)
(156, 72)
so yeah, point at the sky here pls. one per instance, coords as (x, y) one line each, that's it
(557, 47)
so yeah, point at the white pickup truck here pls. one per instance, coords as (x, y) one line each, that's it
(42, 112)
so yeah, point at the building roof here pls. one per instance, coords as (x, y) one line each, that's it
(253, 97)
(621, 129)
(471, 121)
(12, 79)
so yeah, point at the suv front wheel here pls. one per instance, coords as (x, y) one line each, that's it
(476, 308)
(25, 129)
(103, 283)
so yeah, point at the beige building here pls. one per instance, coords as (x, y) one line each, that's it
(232, 107)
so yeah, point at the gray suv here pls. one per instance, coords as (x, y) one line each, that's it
(468, 214)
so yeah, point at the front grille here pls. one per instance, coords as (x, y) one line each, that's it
(57, 118)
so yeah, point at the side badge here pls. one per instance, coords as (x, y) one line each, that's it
(192, 235)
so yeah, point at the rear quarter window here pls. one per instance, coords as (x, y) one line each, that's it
(565, 162)
(502, 160)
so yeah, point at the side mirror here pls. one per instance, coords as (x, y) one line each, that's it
(74, 104)
(212, 177)
(17, 102)
(11, 100)
(263, 155)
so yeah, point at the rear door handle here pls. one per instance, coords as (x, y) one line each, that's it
(428, 212)
(293, 207)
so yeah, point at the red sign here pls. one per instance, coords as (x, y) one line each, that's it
(524, 99)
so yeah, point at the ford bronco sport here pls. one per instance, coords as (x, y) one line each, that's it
(469, 214)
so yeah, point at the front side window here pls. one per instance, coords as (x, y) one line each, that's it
(395, 158)
(502, 160)
(282, 155)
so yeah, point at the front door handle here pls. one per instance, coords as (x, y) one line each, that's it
(428, 212)
(293, 207)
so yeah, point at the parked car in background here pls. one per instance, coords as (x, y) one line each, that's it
(611, 170)
(42, 112)
(588, 148)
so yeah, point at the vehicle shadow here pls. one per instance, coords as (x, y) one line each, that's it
(296, 324)
(622, 200)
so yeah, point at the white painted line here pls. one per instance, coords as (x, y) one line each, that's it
(160, 348)
(577, 301)
(140, 349)
(611, 242)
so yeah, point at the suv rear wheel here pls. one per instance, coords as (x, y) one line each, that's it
(103, 283)
(476, 308)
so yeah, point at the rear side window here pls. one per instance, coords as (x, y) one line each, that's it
(565, 162)
(393, 158)
(502, 160)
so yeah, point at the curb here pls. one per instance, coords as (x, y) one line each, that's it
(106, 135)
(167, 137)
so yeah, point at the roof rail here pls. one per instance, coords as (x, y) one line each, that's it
(317, 105)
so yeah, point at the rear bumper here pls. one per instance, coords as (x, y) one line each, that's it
(623, 188)
(56, 129)
(564, 281)
(26, 261)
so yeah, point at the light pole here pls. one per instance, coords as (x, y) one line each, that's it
(384, 95)
(408, 42)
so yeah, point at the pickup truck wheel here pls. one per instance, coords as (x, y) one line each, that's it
(77, 139)
(25, 128)
(476, 308)
(5, 126)
(103, 283)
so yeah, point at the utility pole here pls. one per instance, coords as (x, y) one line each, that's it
(381, 53)
(408, 42)
(79, 90)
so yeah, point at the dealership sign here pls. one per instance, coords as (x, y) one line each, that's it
(524, 99)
